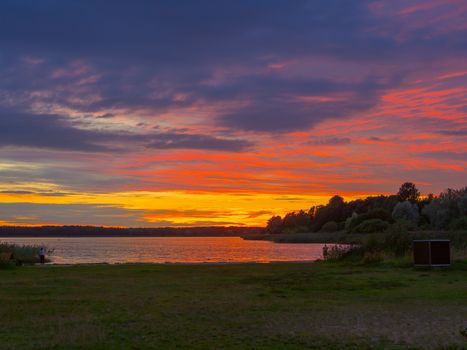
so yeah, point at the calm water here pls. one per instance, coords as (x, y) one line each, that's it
(170, 250)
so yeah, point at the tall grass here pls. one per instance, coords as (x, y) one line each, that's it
(396, 244)
(23, 254)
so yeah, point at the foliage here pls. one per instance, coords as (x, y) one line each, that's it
(397, 239)
(330, 226)
(349, 220)
(447, 207)
(274, 225)
(333, 211)
(23, 253)
(408, 192)
(336, 252)
(438, 212)
(406, 211)
(296, 221)
(459, 224)
(356, 220)
(371, 226)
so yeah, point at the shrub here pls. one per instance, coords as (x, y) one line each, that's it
(371, 226)
(372, 257)
(23, 253)
(397, 240)
(356, 220)
(462, 204)
(450, 205)
(336, 252)
(349, 220)
(404, 225)
(458, 224)
(330, 226)
(406, 211)
(439, 213)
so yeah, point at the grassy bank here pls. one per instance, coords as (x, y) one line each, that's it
(20, 254)
(306, 237)
(458, 238)
(272, 306)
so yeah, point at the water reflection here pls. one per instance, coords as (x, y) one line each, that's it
(171, 250)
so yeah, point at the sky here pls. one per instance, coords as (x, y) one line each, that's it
(217, 112)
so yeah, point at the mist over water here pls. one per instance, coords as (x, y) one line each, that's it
(170, 250)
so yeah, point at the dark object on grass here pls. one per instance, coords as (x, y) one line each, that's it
(432, 252)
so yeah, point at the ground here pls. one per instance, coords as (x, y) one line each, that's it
(244, 306)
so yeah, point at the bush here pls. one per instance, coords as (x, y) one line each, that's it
(439, 214)
(336, 252)
(349, 221)
(356, 220)
(330, 226)
(404, 225)
(372, 257)
(398, 240)
(371, 226)
(449, 206)
(406, 211)
(24, 253)
(458, 224)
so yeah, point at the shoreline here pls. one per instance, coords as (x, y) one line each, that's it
(178, 263)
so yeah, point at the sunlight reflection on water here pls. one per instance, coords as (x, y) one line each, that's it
(170, 250)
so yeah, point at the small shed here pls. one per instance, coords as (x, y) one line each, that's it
(432, 252)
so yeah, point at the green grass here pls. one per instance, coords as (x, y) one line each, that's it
(245, 306)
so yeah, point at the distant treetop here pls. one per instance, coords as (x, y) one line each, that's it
(408, 192)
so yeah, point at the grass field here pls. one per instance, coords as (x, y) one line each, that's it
(249, 306)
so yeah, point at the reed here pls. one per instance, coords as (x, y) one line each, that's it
(22, 254)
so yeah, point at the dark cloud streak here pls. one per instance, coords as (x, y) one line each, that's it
(55, 132)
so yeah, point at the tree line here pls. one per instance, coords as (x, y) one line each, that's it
(98, 231)
(446, 211)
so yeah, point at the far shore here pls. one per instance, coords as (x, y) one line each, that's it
(99, 231)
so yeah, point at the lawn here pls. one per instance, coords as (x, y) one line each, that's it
(245, 306)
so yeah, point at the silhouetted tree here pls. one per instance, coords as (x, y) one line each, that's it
(274, 224)
(408, 192)
(296, 221)
(333, 211)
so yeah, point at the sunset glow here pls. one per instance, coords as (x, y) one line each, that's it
(113, 115)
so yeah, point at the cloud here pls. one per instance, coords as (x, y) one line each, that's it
(159, 57)
(69, 214)
(56, 132)
(43, 194)
(460, 156)
(16, 192)
(190, 141)
(255, 214)
(120, 84)
(460, 132)
(45, 131)
(330, 141)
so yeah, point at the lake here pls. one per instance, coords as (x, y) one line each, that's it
(170, 250)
